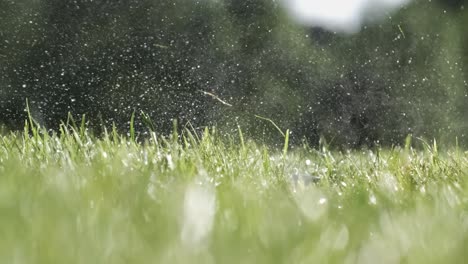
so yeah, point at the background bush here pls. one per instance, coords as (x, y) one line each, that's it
(404, 75)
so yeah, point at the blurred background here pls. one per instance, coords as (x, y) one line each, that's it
(354, 73)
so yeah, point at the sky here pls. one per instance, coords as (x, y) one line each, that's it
(341, 15)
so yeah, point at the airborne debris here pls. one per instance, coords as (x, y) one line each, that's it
(216, 97)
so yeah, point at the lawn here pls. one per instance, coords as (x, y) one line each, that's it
(71, 197)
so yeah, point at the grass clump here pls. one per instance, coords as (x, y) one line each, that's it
(72, 197)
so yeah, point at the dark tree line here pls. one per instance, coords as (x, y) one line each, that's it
(107, 59)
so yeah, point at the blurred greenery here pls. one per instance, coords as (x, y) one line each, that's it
(71, 197)
(405, 74)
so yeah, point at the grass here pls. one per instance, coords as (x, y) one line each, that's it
(72, 197)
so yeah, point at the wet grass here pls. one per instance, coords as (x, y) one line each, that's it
(74, 198)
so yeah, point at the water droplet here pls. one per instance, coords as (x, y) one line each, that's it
(198, 216)
(312, 203)
(372, 199)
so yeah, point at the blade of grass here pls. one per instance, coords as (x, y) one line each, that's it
(132, 127)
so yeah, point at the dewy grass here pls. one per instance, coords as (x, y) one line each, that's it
(75, 198)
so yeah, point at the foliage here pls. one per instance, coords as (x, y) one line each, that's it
(71, 197)
(402, 75)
